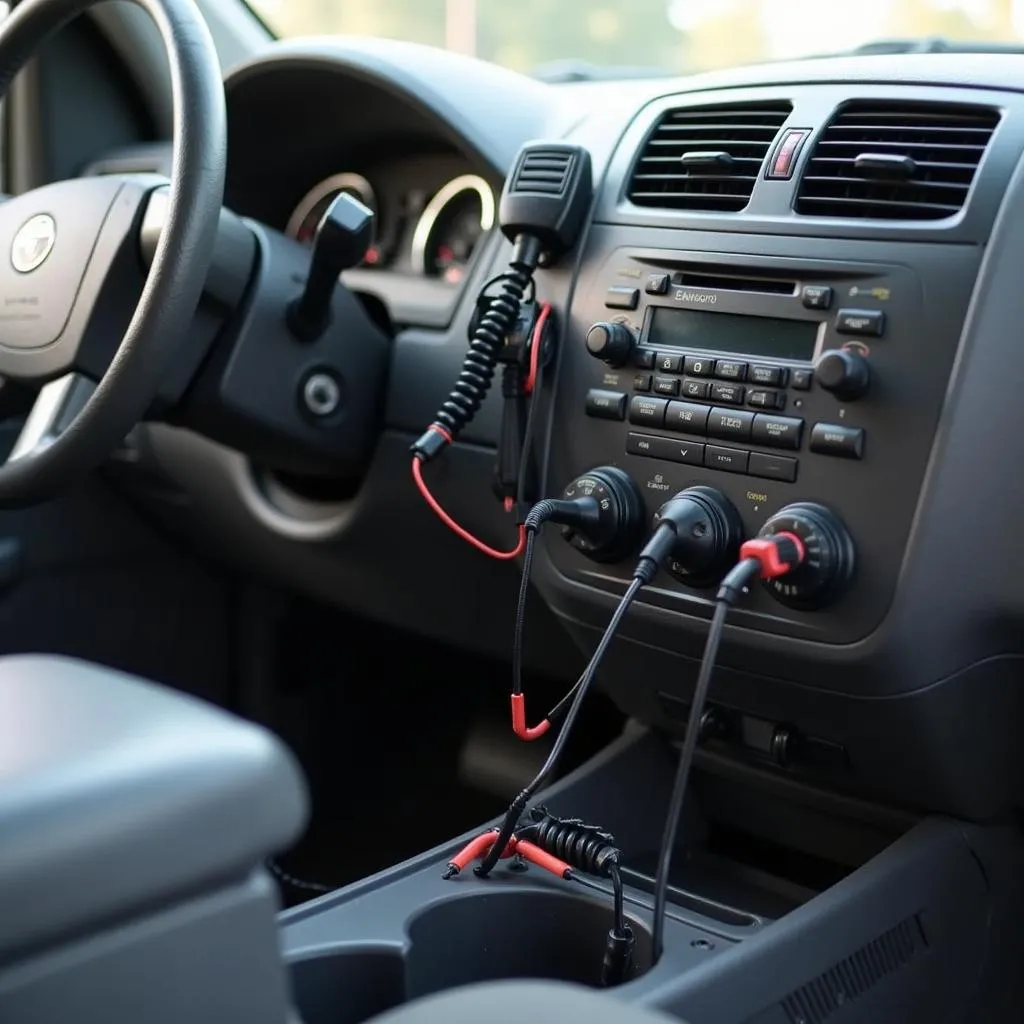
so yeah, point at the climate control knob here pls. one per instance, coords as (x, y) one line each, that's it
(708, 532)
(618, 522)
(828, 561)
(845, 373)
(611, 343)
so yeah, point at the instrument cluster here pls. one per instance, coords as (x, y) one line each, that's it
(432, 233)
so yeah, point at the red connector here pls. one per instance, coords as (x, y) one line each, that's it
(778, 554)
(476, 849)
(519, 726)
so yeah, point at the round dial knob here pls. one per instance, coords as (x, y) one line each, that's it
(612, 343)
(618, 524)
(845, 373)
(828, 556)
(708, 535)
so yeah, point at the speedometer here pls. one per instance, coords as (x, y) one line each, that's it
(314, 204)
(450, 227)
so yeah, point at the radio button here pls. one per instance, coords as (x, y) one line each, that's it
(728, 459)
(641, 382)
(647, 411)
(695, 388)
(766, 399)
(728, 369)
(657, 284)
(772, 467)
(668, 364)
(731, 394)
(687, 418)
(698, 366)
(833, 439)
(643, 358)
(817, 296)
(606, 405)
(690, 453)
(777, 431)
(642, 444)
(772, 376)
(730, 424)
(801, 379)
(867, 322)
(666, 386)
(622, 297)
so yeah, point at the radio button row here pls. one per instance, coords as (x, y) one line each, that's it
(731, 394)
(730, 424)
(643, 358)
(777, 431)
(767, 399)
(833, 439)
(696, 388)
(728, 369)
(687, 418)
(689, 453)
(698, 366)
(772, 467)
(668, 364)
(666, 386)
(649, 412)
(606, 405)
(730, 460)
(772, 376)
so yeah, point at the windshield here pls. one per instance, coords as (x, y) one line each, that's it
(617, 38)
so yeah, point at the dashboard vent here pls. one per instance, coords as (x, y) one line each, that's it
(896, 161)
(706, 158)
(543, 170)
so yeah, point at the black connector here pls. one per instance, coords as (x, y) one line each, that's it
(618, 957)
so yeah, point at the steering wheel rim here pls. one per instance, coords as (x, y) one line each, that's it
(180, 263)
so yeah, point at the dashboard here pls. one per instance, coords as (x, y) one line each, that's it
(817, 311)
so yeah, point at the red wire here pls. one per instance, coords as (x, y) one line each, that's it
(536, 344)
(504, 556)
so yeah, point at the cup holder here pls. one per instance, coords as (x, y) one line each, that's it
(505, 935)
(458, 941)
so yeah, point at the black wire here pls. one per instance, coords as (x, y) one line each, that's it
(296, 883)
(518, 805)
(529, 429)
(517, 632)
(731, 588)
(619, 897)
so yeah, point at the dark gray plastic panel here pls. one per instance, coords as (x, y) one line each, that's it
(899, 934)
(503, 1003)
(140, 795)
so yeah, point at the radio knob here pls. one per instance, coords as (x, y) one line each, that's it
(829, 556)
(611, 343)
(618, 525)
(845, 373)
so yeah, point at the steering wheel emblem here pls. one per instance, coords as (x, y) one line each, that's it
(33, 243)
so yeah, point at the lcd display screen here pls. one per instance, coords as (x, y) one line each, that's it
(768, 337)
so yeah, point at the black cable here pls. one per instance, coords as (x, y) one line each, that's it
(296, 883)
(518, 805)
(731, 588)
(529, 430)
(619, 900)
(517, 632)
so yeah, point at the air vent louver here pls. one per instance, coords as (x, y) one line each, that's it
(544, 170)
(706, 158)
(896, 161)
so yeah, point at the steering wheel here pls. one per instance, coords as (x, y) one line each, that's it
(70, 265)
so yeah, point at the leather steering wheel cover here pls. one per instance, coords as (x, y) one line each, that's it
(182, 258)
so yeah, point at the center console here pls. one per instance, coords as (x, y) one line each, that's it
(776, 379)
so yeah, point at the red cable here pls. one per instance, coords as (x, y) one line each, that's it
(503, 556)
(536, 344)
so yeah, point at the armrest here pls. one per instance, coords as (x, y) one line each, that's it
(118, 795)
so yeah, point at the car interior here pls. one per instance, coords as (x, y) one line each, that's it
(480, 545)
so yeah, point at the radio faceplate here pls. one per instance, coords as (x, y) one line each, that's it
(747, 373)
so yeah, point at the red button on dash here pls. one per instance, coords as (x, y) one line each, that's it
(786, 153)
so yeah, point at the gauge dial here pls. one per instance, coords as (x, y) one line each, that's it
(307, 215)
(450, 227)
